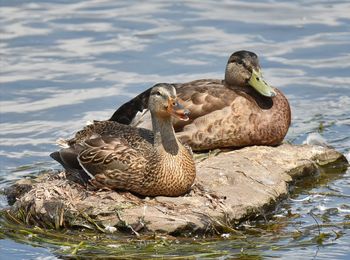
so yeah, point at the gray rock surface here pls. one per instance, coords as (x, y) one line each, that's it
(230, 187)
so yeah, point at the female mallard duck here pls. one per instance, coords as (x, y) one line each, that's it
(123, 157)
(241, 110)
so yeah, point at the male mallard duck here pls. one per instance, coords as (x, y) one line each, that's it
(119, 156)
(241, 110)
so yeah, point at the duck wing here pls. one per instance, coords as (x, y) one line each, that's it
(68, 158)
(201, 97)
(112, 163)
(99, 138)
(137, 138)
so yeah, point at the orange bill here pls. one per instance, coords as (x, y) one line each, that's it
(177, 110)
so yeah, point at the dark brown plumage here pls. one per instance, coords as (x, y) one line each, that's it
(241, 110)
(145, 162)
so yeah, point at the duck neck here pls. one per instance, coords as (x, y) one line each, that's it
(164, 135)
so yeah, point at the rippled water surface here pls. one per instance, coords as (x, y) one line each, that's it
(66, 62)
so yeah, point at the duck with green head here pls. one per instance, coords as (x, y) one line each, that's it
(241, 110)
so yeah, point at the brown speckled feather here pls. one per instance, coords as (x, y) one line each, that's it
(224, 117)
(123, 157)
(249, 119)
(113, 163)
(137, 138)
(223, 113)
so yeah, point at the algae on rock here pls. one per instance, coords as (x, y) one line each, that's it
(229, 187)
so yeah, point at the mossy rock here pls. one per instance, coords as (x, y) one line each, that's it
(230, 187)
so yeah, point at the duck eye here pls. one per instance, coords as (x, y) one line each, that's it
(240, 62)
(157, 93)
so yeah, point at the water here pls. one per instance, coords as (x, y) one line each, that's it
(66, 62)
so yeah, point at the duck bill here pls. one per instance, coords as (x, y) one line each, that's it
(257, 82)
(177, 110)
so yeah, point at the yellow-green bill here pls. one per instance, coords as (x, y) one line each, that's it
(257, 82)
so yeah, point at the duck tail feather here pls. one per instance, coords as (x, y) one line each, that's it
(62, 143)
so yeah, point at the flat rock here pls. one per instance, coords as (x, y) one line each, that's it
(230, 187)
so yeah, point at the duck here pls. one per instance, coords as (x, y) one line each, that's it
(122, 157)
(240, 110)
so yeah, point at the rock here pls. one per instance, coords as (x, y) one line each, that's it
(230, 187)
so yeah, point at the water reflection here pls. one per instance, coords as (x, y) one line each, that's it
(54, 98)
(67, 62)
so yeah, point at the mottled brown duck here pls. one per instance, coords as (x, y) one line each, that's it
(122, 157)
(241, 110)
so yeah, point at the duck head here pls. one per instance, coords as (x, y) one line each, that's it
(243, 69)
(163, 102)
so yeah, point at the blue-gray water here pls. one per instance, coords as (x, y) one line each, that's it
(66, 62)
